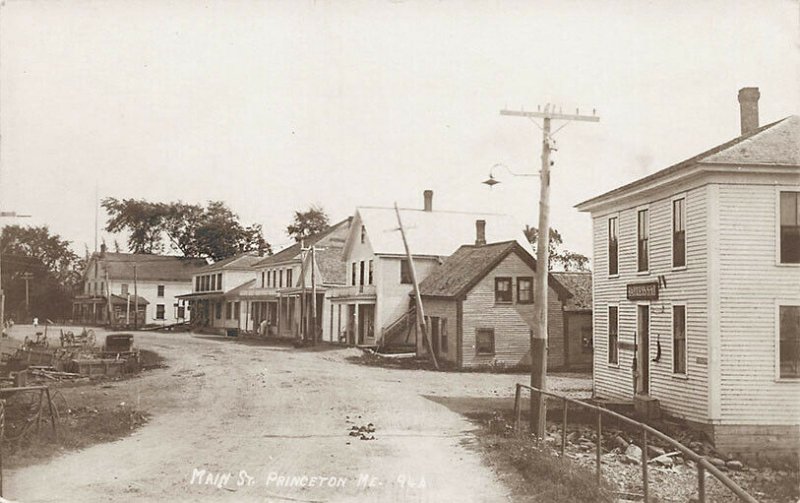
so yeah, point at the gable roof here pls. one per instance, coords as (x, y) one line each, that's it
(471, 263)
(776, 144)
(243, 261)
(431, 233)
(579, 284)
(333, 236)
(149, 267)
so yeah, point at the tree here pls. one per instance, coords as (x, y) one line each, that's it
(56, 271)
(308, 222)
(569, 260)
(211, 232)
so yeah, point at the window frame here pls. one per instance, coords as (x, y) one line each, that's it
(615, 218)
(778, 304)
(289, 278)
(610, 363)
(685, 373)
(160, 291)
(163, 312)
(639, 211)
(444, 341)
(520, 279)
(778, 190)
(478, 331)
(497, 281)
(352, 274)
(679, 197)
(371, 272)
(405, 279)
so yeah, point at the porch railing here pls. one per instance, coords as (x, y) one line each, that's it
(703, 465)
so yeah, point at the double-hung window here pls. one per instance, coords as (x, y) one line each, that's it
(484, 341)
(405, 272)
(525, 290)
(502, 290)
(790, 227)
(643, 239)
(613, 246)
(789, 341)
(613, 335)
(679, 232)
(679, 339)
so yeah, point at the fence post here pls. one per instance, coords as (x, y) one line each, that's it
(599, 442)
(52, 413)
(645, 488)
(701, 482)
(517, 411)
(564, 427)
(2, 436)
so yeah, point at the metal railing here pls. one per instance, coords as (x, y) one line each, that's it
(703, 465)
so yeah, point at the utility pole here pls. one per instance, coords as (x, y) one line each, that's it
(27, 276)
(310, 254)
(108, 299)
(421, 324)
(135, 301)
(539, 334)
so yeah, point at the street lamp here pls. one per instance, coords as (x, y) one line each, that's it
(492, 181)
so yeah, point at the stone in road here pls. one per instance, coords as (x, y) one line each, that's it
(276, 420)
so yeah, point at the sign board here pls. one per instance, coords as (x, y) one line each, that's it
(643, 291)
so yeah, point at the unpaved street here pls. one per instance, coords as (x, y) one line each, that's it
(229, 407)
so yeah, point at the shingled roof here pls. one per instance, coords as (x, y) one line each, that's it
(579, 284)
(469, 264)
(776, 144)
(242, 261)
(333, 237)
(149, 267)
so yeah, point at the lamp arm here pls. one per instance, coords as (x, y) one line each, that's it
(501, 165)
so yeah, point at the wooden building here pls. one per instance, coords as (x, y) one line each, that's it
(479, 307)
(375, 297)
(697, 288)
(159, 281)
(577, 314)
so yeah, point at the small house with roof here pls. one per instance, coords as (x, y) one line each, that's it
(577, 314)
(215, 298)
(479, 307)
(375, 298)
(697, 288)
(117, 286)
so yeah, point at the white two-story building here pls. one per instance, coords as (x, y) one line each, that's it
(697, 288)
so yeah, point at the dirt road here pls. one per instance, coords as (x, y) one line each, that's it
(277, 420)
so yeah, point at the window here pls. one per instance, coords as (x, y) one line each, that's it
(213, 281)
(443, 344)
(263, 279)
(289, 278)
(274, 279)
(228, 310)
(525, 290)
(218, 310)
(405, 272)
(679, 232)
(353, 274)
(371, 272)
(790, 228)
(181, 312)
(124, 289)
(643, 235)
(613, 247)
(205, 283)
(219, 281)
(197, 283)
(102, 288)
(160, 291)
(159, 311)
(789, 347)
(613, 335)
(679, 339)
(502, 290)
(237, 307)
(484, 341)
(363, 234)
(280, 278)
(361, 274)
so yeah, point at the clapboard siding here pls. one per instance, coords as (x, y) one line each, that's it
(445, 309)
(751, 285)
(512, 322)
(679, 396)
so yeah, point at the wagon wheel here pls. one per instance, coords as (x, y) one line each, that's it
(60, 406)
(90, 338)
(21, 415)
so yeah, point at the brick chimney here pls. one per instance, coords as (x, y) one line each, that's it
(748, 107)
(428, 200)
(480, 232)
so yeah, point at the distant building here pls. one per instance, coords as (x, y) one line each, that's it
(479, 307)
(151, 283)
(378, 280)
(577, 314)
(697, 288)
(214, 298)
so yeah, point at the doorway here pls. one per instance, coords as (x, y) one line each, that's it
(643, 349)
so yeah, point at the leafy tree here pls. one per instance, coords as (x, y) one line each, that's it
(308, 222)
(569, 260)
(211, 232)
(56, 271)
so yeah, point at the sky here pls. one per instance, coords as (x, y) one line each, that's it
(274, 106)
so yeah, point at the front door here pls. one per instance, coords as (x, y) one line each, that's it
(433, 326)
(366, 322)
(643, 349)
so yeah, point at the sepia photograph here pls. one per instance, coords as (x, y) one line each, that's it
(400, 251)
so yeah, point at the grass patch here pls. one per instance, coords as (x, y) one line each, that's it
(534, 473)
